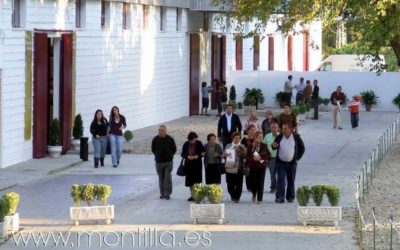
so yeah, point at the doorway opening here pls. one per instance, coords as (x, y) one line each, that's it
(218, 64)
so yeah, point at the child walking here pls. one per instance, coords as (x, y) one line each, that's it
(354, 108)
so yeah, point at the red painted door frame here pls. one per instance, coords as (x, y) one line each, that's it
(239, 53)
(256, 52)
(271, 53)
(40, 95)
(66, 90)
(290, 52)
(194, 74)
(218, 63)
(306, 52)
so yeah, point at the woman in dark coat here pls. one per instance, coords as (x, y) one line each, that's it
(193, 150)
(212, 160)
(246, 141)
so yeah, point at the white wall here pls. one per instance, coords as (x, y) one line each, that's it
(386, 86)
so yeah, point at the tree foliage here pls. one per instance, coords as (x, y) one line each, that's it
(375, 24)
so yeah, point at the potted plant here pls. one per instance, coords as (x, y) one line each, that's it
(54, 148)
(212, 212)
(318, 213)
(396, 101)
(279, 98)
(369, 99)
(12, 217)
(308, 110)
(3, 227)
(90, 192)
(302, 116)
(295, 110)
(252, 97)
(128, 135)
(77, 133)
(239, 110)
(232, 95)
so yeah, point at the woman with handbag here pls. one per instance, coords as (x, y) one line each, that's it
(212, 160)
(257, 159)
(192, 151)
(234, 154)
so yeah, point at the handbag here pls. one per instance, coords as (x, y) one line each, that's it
(182, 168)
(221, 167)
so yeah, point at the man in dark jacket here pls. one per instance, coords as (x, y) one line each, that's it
(315, 99)
(163, 147)
(290, 148)
(227, 125)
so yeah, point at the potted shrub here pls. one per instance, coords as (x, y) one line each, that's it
(77, 133)
(252, 97)
(212, 212)
(308, 110)
(54, 149)
(323, 104)
(396, 101)
(239, 110)
(318, 213)
(279, 98)
(3, 227)
(128, 135)
(12, 217)
(369, 99)
(232, 95)
(295, 110)
(90, 192)
(301, 118)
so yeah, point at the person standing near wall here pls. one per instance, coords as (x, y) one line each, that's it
(354, 108)
(205, 90)
(287, 90)
(337, 100)
(164, 148)
(266, 124)
(315, 99)
(117, 125)
(99, 130)
(227, 125)
(300, 91)
(307, 92)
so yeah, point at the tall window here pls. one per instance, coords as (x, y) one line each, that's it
(126, 15)
(178, 19)
(80, 13)
(145, 16)
(105, 14)
(163, 18)
(16, 13)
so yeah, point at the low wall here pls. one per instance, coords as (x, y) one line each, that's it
(386, 85)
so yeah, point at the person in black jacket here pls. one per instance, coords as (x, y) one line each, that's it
(315, 99)
(99, 130)
(163, 147)
(290, 148)
(227, 125)
(192, 151)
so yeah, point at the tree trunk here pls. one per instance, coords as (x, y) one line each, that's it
(395, 42)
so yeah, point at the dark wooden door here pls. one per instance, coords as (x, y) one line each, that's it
(194, 74)
(256, 52)
(40, 96)
(239, 53)
(290, 53)
(66, 91)
(271, 53)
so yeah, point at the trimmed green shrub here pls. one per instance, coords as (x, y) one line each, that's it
(303, 195)
(4, 207)
(199, 192)
(333, 194)
(88, 193)
(302, 108)
(232, 93)
(240, 105)
(128, 135)
(55, 132)
(77, 130)
(317, 193)
(76, 195)
(396, 100)
(296, 110)
(102, 193)
(13, 200)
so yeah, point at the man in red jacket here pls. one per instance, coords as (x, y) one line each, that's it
(337, 100)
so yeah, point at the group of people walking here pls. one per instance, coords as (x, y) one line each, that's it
(107, 132)
(262, 147)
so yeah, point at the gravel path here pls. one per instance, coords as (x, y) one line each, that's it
(384, 196)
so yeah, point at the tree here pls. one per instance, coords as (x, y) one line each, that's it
(232, 94)
(375, 23)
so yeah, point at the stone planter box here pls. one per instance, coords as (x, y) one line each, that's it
(316, 214)
(301, 119)
(105, 213)
(128, 146)
(207, 213)
(12, 223)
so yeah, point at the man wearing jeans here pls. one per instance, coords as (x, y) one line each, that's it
(268, 140)
(290, 148)
(163, 147)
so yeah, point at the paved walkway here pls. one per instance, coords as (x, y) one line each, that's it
(332, 157)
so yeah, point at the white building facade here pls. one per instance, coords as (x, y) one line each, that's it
(59, 58)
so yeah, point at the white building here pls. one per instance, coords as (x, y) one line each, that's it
(63, 57)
